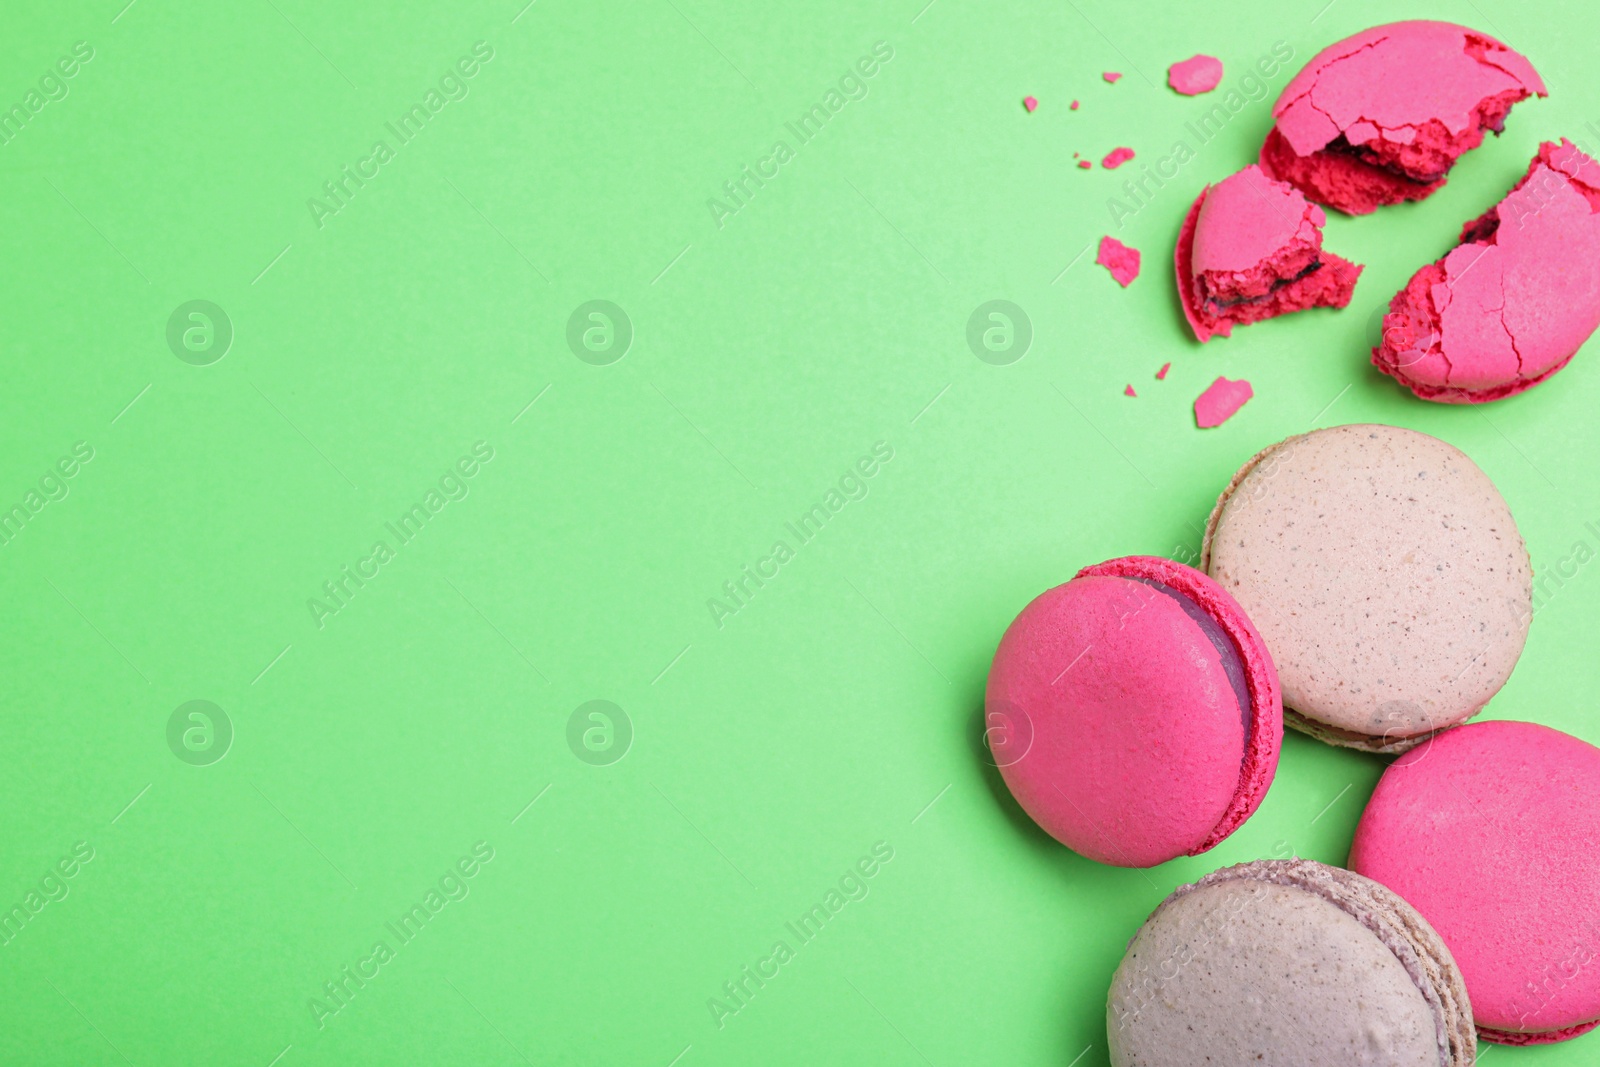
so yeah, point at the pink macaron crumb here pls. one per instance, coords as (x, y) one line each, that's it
(1195, 75)
(1119, 259)
(1512, 303)
(1251, 249)
(1381, 116)
(1111, 76)
(1220, 401)
(1129, 391)
(1074, 105)
(1162, 373)
(1084, 164)
(1030, 102)
(1116, 158)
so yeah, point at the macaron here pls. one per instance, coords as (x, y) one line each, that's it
(1251, 249)
(1491, 831)
(1134, 712)
(1512, 303)
(1288, 962)
(1381, 117)
(1386, 574)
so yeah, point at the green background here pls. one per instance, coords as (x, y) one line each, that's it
(838, 708)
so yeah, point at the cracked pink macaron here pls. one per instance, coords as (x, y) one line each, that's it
(1380, 117)
(1251, 249)
(1134, 712)
(1512, 303)
(1491, 832)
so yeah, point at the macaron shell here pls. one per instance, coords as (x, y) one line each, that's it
(1249, 249)
(1396, 77)
(1183, 266)
(1491, 832)
(1385, 573)
(1247, 217)
(1139, 743)
(1244, 970)
(1497, 316)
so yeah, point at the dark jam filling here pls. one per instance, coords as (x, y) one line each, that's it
(1280, 283)
(1340, 145)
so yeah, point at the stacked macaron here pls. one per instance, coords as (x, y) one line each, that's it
(1381, 118)
(1387, 575)
(1288, 962)
(1134, 712)
(1366, 585)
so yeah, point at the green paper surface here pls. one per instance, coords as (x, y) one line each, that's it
(549, 447)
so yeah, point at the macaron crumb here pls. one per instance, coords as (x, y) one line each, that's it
(1084, 164)
(1162, 373)
(1111, 76)
(1116, 158)
(1195, 75)
(1030, 102)
(1220, 401)
(1074, 105)
(1129, 391)
(1120, 260)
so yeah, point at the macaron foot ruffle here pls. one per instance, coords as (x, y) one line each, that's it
(1511, 1037)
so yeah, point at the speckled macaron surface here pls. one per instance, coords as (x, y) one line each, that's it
(1287, 962)
(1492, 831)
(1386, 574)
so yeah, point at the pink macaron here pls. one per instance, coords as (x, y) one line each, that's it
(1512, 303)
(1491, 831)
(1382, 116)
(1251, 249)
(1134, 712)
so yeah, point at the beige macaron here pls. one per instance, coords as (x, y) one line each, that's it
(1386, 574)
(1288, 962)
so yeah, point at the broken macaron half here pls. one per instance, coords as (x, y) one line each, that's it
(1251, 249)
(1510, 305)
(1382, 116)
